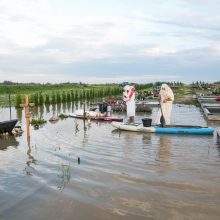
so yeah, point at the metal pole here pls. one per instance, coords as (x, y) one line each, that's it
(84, 104)
(84, 109)
(9, 96)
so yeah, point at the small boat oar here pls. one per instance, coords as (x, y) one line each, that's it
(162, 119)
(218, 137)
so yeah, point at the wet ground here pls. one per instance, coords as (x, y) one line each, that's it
(72, 171)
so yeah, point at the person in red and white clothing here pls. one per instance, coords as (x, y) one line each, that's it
(129, 99)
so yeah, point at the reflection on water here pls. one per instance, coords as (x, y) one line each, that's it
(64, 176)
(47, 108)
(58, 109)
(31, 163)
(218, 142)
(146, 138)
(164, 151)
(68, 106)
(19, 114)
(7, 141)
(53, 109)
(115, 174)
(164, 154)
(64, 107)
(41, 108)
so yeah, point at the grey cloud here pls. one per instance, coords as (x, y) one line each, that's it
(117, 60)
(191, 25)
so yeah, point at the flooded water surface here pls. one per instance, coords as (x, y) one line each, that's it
(72, 170)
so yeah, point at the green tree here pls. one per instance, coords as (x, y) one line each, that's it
(36, 99)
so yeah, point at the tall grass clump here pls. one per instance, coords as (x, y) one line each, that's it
(47, 99)
(18, 100)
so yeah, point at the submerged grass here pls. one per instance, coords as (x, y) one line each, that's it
(63, 116)
(38, 121)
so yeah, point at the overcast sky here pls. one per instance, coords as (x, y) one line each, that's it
(99, 41)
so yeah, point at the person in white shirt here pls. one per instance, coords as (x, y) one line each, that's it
(166, 98)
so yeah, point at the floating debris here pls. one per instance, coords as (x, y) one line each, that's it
(36, 126)
(54, 119)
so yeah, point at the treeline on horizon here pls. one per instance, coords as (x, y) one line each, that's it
(66, 84)
(21, 88)
(16, 88)
(6, 82)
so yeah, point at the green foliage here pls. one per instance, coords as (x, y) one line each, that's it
(64, 98)
(18, 100)
(29, 88)
(72, 95)
(38, 121)
(63, 116)
(88, 94)
(36, 100)
(31, 98)
(76, 96)
(57, 93)
(47, 99)
(68, 97)
(58, 97)
(53, 100)
(216, 91)
(41, 99)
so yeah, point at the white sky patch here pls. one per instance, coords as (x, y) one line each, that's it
(216, 49)
(36, 77)
(156, 52)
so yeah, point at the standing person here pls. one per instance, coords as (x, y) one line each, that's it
(129, 99)
(166, 98)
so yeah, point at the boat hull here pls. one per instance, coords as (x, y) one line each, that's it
(167, 130)
(7, 126)
(106, 118)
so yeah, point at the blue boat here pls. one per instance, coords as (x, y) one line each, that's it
(185, 130)
(172, 129)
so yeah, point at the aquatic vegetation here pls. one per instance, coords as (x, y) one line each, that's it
(18, 100)
(38, 121)
(63, 116)
(47, 99)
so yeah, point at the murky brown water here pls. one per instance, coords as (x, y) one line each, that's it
(121, 175)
